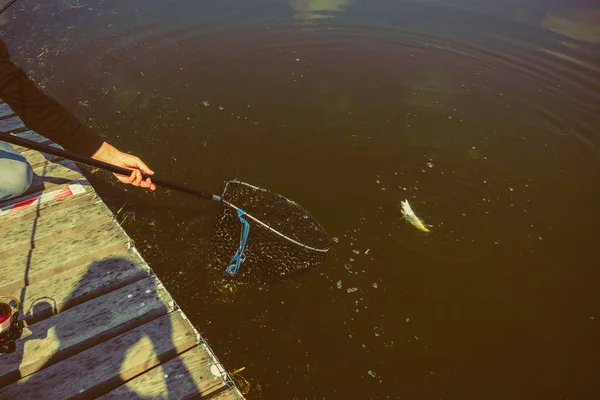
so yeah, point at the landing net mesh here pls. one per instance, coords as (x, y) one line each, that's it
(282, 237)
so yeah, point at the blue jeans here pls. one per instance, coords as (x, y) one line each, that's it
(15, 172)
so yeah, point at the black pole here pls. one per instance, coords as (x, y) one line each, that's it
(103, 165)
(10, 3)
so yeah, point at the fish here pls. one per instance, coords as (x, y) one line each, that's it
(410, 216)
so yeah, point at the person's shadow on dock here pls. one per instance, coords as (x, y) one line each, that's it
(40, 315)
(142, 342)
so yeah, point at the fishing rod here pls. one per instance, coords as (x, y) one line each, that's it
(12, 139)
(10, 3)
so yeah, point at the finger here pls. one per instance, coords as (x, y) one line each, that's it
(138, 178)
(126, 179)
(143, 167)
(151, 185)
(146, 183)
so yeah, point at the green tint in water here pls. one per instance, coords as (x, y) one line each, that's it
(483, 115)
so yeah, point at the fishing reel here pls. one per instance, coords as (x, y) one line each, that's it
(10, 326)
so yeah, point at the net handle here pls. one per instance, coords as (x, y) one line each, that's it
(262, 223)
(7, 137)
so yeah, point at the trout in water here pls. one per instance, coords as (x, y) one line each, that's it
(410, 216)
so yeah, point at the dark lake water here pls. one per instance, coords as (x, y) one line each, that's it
(485, 115)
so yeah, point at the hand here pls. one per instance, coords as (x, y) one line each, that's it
(111, 155)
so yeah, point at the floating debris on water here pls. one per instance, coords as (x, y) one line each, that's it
(220, 108)
(430, 165)
(356, 251)
(351, 290)
(375, 285)
(339, 284)
(371, 373)
(205, 103)
(410, 216)
(407, 320)
(367, 251)
(335, 240)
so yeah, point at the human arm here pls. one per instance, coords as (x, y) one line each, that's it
(111, 155)
(46, 116)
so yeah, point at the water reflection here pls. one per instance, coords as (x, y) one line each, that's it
(315, 9)
(581, 25)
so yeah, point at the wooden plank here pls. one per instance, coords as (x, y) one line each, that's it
(107, 365)
(5, 110)
(11, 124)
(82, 283)
(172, 379)
(48, 207)
(31, 135)
(82, 327)
(50, 227)
(60, 255)
(52, 174)
(35, 158)
(228, 394)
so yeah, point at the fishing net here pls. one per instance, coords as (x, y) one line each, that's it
(262, 234)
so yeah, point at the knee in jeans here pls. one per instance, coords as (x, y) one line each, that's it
(18, 180)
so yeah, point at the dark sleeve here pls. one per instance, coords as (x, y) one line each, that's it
(40, 112)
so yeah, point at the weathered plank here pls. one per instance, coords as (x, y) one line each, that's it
(50, 227)
(51, 174)
(32, 211)
(5, 110)
(62, 254)
(31, 135)
(82, 327)
(107, 365)
(82, 283)
(186, 376)
(11, 124)
(227, 394)
(35, 158)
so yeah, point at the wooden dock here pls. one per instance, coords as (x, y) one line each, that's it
(98, 321)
